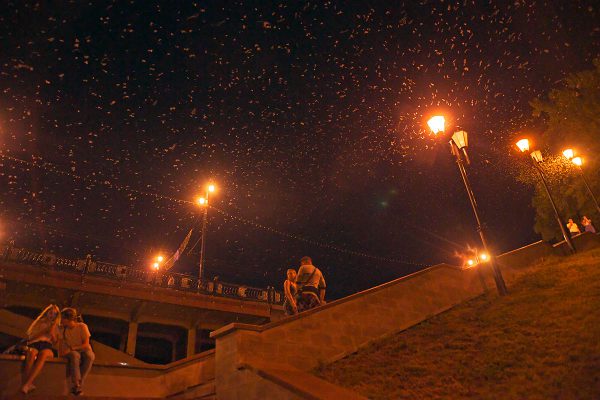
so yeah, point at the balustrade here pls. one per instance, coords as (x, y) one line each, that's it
(172, 280)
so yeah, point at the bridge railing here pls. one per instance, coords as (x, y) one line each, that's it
(171, 280)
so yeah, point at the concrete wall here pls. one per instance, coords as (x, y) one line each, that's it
(109, 380)
(339, 328)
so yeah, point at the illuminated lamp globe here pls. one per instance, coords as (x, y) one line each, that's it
(155, 266)
(470, 263)
(523, 145)
(484, 257)
(577, 161)
(568, 153)
(160, 259)
(436, 124)
(201, 201)
(211, 188)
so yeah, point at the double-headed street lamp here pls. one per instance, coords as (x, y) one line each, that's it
(157, 263)
(203, 201)
(578, 161)
(458, 146)
(537, 158)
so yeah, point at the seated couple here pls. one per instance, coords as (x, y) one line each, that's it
(304, 290)
(58, 332)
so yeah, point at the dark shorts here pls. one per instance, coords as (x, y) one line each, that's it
(41, 345)
(307, 301)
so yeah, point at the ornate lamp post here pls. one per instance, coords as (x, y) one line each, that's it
(578, 161)
(537, 158)
(203, 201)
(458, 146)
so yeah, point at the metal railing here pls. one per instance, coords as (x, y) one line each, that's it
(170, 280)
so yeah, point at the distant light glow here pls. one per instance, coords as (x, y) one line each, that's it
(160, 259)
(568, 153)
(470, 263)
(523, 145)
(156, 266)
(211, 188)
(577, 161)
(484, 257)
(436, 124)
(201, 201)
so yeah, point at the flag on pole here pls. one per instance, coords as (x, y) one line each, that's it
(169, 263)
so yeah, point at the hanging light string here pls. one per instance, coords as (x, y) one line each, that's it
(37, 162)
(314, 242)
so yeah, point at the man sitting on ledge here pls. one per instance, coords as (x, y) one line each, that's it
(76, 347)
(311, 285)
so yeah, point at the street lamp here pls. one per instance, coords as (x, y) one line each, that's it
(537, 158)
(203, 202)
(578, 161)
(458, 146)
(157, 262)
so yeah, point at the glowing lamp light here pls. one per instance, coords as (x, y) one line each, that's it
(211, 188)
(201, 201)
(484, 257)
(160, 259)
(569, 153)
(156, 266)
(523, 145)
(461, 139)
(537, 156)
(436, 124)
(577, 161)
(470, 263)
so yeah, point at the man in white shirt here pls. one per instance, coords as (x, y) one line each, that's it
(75, 345)
(311, 285)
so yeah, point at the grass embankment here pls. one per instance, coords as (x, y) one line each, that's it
(540, 342)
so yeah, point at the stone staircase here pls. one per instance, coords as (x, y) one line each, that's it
(277, 360)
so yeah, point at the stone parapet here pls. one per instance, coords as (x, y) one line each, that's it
(114, 380)
(339, 328)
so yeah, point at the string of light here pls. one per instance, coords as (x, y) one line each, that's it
(37, 162)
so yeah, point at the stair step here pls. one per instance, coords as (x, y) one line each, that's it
(204, 391)
(45, 397)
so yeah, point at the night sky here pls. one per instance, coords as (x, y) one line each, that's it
(309, 116)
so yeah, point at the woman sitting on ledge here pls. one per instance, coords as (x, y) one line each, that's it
(42, 336)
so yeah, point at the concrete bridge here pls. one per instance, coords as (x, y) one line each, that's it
(124, 305)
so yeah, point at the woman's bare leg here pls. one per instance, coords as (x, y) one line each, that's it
(37, 368)
(29, 360)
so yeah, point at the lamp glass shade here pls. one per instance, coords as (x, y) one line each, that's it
(568, 153)
(201, 201)
(523, 145)
(461, 139)
(211, 188)
(577, 161)
(436, 124)
(537, 156)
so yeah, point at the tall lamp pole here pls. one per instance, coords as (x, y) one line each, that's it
(578, 161)
(203, 201)
(537, 158)
(458, 147)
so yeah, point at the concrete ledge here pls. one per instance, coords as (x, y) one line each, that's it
(300, 383)
(261, 328)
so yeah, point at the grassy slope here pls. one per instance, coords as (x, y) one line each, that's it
(540, 342)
